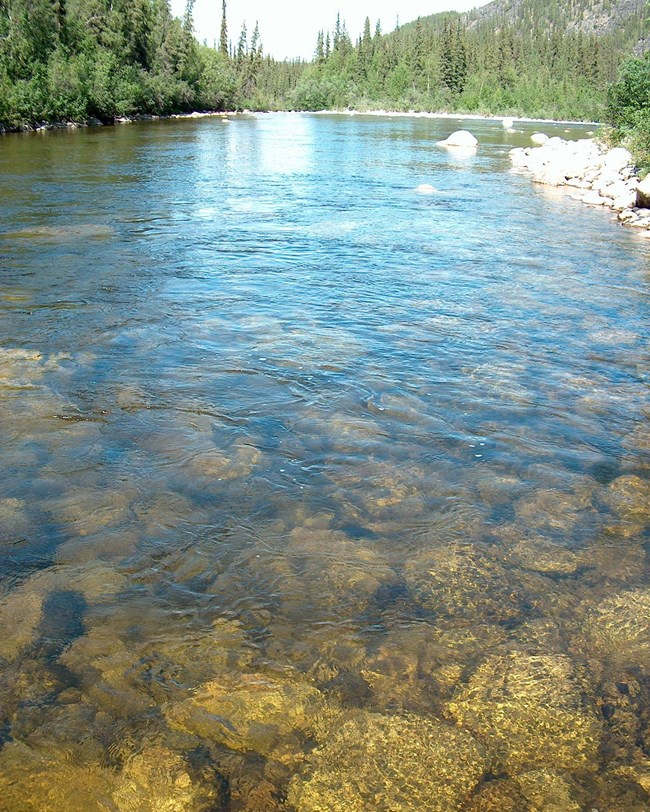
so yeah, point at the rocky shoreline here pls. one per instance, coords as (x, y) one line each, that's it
(95, 122)
(593, 173)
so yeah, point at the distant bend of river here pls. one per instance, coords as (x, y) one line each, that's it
(318, 493)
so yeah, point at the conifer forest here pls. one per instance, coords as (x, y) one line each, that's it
(72, 60)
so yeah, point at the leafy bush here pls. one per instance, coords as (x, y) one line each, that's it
(628, 109)
(629, 97)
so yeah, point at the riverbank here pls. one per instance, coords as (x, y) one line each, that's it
(592, 173)
(95, 122)
(380, 113)
(454, 116)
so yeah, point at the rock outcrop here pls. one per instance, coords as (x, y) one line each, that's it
(598, 176)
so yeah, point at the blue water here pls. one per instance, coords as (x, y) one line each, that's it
(249, 374)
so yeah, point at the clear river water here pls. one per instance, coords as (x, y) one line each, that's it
(318, 493)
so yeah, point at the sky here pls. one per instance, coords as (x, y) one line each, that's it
(289, 27)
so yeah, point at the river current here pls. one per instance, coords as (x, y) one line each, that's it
(319, 492)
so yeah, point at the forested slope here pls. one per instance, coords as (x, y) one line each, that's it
(532, 57)
(76, 59)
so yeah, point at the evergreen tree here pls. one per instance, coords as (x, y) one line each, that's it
(223, 36)
(319, 54)
(242, 45)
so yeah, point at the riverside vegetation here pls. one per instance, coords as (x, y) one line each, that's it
(78, 59)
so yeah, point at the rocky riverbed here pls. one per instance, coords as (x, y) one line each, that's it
(593, 173)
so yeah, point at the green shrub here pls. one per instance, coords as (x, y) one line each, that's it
(628, 109)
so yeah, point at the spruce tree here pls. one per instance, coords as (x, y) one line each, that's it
(223, 37)
(319, 53)
(242, 45)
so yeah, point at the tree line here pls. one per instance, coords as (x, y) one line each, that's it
(76, 59)
(72, 60)
(442, 64)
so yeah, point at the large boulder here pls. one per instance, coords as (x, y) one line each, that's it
(460, 138)
(617, 159)
(539, 139)
(643, 194)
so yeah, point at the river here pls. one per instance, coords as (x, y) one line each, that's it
(319, 492)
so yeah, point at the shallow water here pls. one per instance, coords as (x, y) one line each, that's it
(318, 493)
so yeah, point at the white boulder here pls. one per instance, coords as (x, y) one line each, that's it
(591, 199)
(607, 179)
(617, 159)
(508, 123)
(460, 138)
(519, 157)
(426, 189)
(538, 139)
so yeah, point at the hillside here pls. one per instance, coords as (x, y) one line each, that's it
(625, 21)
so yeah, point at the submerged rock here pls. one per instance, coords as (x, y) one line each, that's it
(237, 463)
(20, 615)
(416, 667)
(629, 497)
(531, 709)
(80, 231)
(463, 581)
(540, 555)
(249, 712)
(619, 628)
(162, 780)
(502, 795)
(14, 522)
(390, 764)
(548, 791)
(128, 676)
(315, 574)
(155, 778)
(33, 781)
(552, 511)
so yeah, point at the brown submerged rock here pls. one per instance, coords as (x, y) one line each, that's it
(619, 628)
(127, 676)
(33, 781)
(629, 497)
(463, 581)
(162, 780)
(250, 712)
(416, 667)
(20, 615)
(548, 791)
(531, 710)
(502, 795)
(390, 764)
